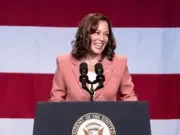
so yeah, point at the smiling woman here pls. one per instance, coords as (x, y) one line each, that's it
(94, 43)
(99, 39)
(94, 38)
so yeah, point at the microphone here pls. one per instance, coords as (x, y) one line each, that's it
(83, 77)
(99, 68)
(83, 68)
(100, 77)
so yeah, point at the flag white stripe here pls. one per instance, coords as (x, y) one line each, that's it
(25, 127)
(34, 49)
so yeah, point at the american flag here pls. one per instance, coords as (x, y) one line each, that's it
(34, 32)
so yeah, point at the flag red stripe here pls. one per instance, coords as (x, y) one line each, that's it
(129, 13)
(18, 99)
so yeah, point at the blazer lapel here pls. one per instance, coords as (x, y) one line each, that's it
(107, 74)
(76, 73)
(75, 70)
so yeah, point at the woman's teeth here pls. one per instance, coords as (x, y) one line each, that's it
(99, 46)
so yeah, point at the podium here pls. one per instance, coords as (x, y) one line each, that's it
(92, 118)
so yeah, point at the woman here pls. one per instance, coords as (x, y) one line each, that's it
(94, 43)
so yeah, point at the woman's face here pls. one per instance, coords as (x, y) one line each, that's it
(99, 39)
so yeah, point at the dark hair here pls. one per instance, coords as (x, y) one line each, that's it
(89, 25)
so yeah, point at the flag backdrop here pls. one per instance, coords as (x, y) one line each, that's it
(34, 32)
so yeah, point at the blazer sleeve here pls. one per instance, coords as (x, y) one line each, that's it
(58, 91)
(127, 92)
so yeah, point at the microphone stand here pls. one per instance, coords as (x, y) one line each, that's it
(99, 79)
(91, 91)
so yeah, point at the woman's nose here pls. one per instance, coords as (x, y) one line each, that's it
(101, 37)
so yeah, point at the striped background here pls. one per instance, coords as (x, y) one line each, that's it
(34, 32)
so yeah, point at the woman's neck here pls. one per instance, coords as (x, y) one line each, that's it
(91, 60)
(93, 57)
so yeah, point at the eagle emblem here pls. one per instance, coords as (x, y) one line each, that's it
(93, 131)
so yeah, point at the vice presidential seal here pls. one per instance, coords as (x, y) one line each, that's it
(93, 124)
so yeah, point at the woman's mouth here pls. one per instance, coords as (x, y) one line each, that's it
(98, 46)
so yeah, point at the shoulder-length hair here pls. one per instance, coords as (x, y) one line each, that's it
(89, 25)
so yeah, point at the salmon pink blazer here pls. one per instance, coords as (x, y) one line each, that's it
(67, 87)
